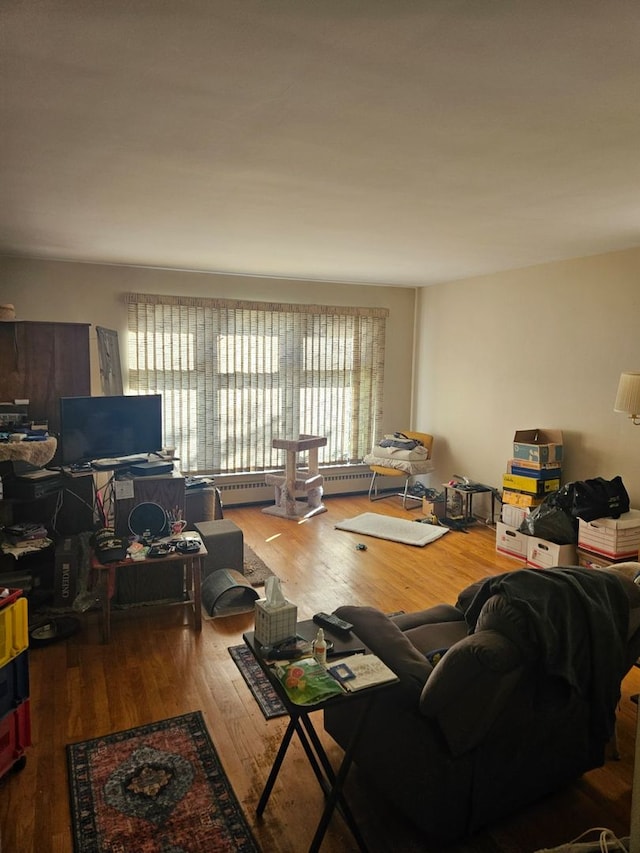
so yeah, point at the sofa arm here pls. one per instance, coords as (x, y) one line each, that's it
(385, 639)
(432, 615)
(470, 687)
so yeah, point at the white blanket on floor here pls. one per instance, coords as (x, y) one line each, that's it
(394, 529)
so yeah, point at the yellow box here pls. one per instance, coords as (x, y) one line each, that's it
(520, 499)
(274, 624)
(531, 485)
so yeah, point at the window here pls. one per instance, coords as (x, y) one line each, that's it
(235, 375)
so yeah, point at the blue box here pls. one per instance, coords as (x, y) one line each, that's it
(549, 473)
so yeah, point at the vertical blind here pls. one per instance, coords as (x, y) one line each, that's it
(235, 375)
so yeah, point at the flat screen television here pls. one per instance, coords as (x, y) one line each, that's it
(109, 427)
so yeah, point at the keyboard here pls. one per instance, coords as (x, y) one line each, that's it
(116, 462)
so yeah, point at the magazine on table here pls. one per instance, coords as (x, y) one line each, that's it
(359, 671)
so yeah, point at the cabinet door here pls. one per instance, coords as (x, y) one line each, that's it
(42, 362)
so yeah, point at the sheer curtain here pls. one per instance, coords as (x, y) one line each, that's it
(235, 375)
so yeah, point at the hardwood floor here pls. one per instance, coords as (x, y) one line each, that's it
(156, 667)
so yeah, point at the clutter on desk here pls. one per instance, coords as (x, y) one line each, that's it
(198, 482)
(24, 538)
(16, 426)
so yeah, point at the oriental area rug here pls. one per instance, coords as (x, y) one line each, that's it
(255, 569)
(152, 789)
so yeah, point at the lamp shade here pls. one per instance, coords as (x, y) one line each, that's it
(628, 396)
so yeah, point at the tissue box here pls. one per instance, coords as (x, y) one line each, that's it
(274, 624)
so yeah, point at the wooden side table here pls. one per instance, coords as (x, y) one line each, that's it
(106, 575)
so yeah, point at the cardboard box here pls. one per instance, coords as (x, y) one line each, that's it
(615, 538)
(542, 554)
(538, 472)
(535, 466)
(65, 575)
(520, 499)
(530, 485)
(510, 541)
(538, 445)
(513, 516)
(436, 508)
(588, 560)
(274, 624)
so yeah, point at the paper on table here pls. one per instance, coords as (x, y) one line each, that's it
(368, 670)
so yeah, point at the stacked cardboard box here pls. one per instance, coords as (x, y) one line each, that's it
(533, 472)
(606, 541)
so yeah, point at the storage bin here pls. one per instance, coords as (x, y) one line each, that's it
(14, 630)
(589, 560)
(224, 542)
(615, 538)
(542, 554)
(15, 736)
(513, 516)
(510, 541)
(14, 683)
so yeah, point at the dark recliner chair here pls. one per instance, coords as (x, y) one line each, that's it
(503, 698)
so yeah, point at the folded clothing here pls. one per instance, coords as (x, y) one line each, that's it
(402, 462)
(418, 453)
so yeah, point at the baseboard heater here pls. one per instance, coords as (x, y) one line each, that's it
(244, 489)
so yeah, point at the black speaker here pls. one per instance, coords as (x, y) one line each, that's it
(148, 520)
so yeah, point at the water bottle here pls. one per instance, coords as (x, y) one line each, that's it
(320, 647)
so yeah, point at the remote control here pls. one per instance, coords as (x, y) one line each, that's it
(332, 623)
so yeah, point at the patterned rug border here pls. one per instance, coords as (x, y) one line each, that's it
(235, 833)
(268, 700)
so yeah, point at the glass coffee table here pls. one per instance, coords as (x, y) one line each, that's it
(300, 722)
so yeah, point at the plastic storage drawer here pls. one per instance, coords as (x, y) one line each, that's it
(15, 737)
(14, 683)
(14, 630)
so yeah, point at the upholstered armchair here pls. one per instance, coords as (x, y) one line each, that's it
(503, 697)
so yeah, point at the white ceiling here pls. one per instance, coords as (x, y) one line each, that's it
(386, 141)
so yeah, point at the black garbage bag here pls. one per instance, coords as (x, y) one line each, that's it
(551, 522)
(595, 498)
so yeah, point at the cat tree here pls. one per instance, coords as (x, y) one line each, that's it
(294, 480)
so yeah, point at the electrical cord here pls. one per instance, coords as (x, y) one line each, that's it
(606, 842)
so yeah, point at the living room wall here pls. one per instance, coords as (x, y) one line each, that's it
(92, 293)
(536, 347)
